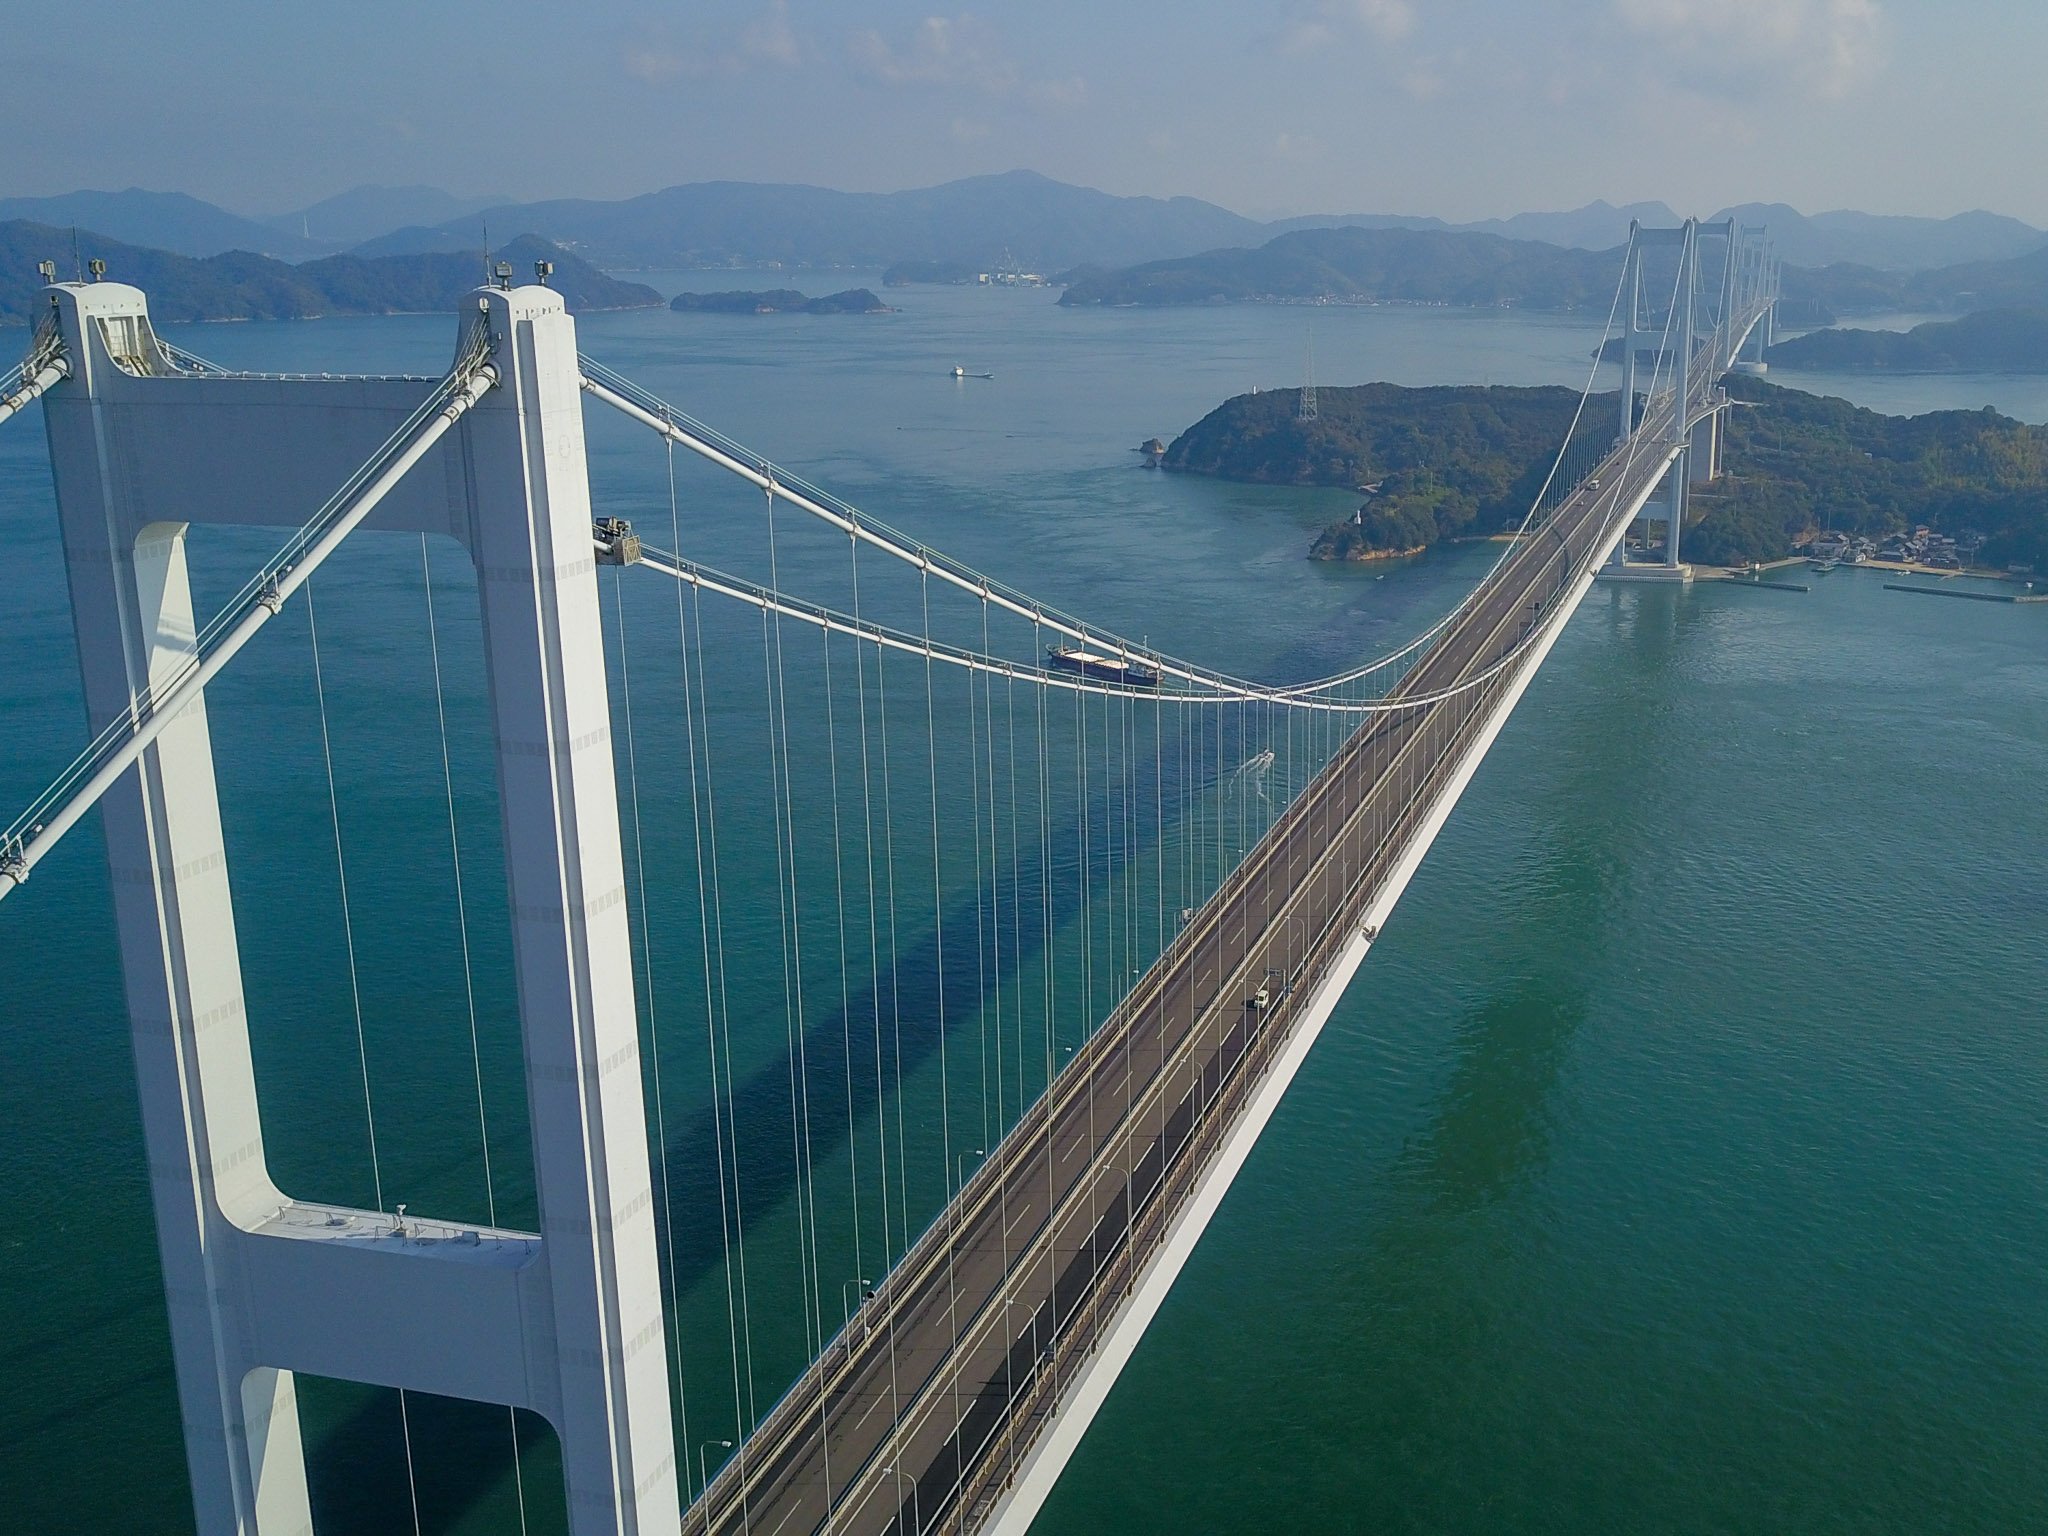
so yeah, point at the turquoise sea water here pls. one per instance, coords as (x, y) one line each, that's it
(1675, 1163)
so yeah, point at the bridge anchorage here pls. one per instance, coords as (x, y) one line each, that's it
(973, 1082)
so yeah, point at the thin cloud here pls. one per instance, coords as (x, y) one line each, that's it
(1424, 82)
(1318, 24)
(950, 50)
(768, 41)
(960, 52)
(1743, 48)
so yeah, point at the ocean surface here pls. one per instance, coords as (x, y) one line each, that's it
(1676, 1162)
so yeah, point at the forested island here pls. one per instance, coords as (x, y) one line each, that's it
(781, 301)
(1431, 463)
(241, 286)
(1443, 463)
(1989, 341)
(1798, 462)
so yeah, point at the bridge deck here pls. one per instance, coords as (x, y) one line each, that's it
(918, 1413)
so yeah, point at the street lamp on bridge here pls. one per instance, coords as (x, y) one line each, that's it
(703, 1480)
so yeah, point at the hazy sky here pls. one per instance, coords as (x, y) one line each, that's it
(1462, 108)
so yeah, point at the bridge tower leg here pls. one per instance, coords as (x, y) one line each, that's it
(1632, 308)
(530, 521)
(1703, 453)
(1724, 314)
(568, 1322)
(131, 603)
(1631, 316)
(1685, 319)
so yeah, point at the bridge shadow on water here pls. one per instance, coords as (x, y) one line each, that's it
(1446, 1269)
(1491, 1132)
(930, 981)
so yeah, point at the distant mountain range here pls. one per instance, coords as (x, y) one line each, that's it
(187, 226)
(1888, 241)
(2017, 282)
(364, 213)
(1596, 226)
(241, 286)
(975, 224)
(1034, 220)
(1460, 267)
(1027, 220)
(1417, 266)
(163, 221)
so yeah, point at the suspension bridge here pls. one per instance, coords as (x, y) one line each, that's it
(1059, 914)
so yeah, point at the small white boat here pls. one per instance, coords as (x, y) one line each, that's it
(962, 373)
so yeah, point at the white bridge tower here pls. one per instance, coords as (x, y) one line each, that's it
(566, 1322)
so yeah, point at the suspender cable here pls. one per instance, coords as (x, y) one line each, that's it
(993, 888)
(348, 934)
(845, 986)
(895, 947)
(867, 798)
(980, 919)
(713, 978)
(1016, 893)
(895, 994)
(661, 1150)
(476, 1062)
(723, 1055)
(792, 953)
(355, 990)
(412, 1481)
(807, 1188)
(931, 739)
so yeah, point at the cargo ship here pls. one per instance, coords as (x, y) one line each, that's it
(1108, 669)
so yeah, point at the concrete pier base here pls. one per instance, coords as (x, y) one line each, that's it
(1653, 573)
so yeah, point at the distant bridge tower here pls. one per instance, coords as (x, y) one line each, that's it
(1307, 409)
(1700, 315)
(260, 1283)
(1756, 280)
